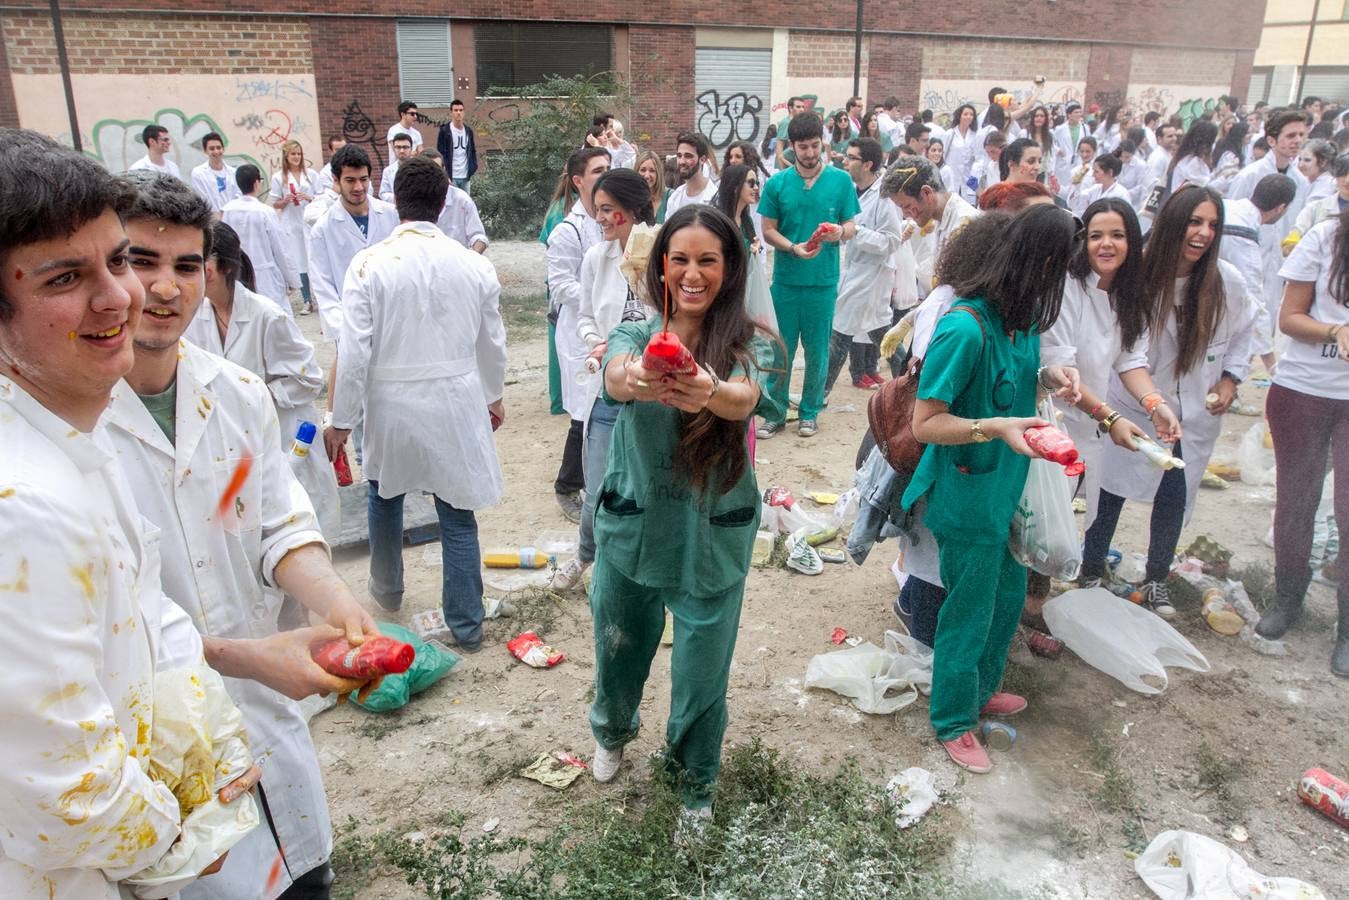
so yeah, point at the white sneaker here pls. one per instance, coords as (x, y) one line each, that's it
(568, 575)
(605, 764)
(692, 826)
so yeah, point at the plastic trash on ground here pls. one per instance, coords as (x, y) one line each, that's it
(530, 649)
(781, 512)
(1255, 456)
(431, 662)
(557, 769)
(876, 680)
(847, 507)
(914, 791)
(1182, 865)
(1125, 641)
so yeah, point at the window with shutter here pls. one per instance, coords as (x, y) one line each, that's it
(425, 69)
(512, 55)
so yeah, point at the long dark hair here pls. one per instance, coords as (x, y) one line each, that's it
(728, 197)
(1129, 298)
(1234, 143)
(231, 261)
(1339, 261)
(630, 191)
(709, 445)
(750, 154)
(960, 112)
(1045, 136)
(1202, 308)
(1198, 141)
(1024, 276)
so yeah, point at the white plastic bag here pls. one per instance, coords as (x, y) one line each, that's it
(1121, 639)
(847, 507)
(758, 298)
(876, 680)
(1182, 865)
(1044, 534)
(1257, 460)
(914, 791)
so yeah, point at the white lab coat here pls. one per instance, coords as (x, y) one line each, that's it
(567, 246)
(1127, 473)
(222, 573)
(1240, 246)
(606, 302)
(259, 231)
(145, 164)
(961, 152)
(1132, 176)
(386, 179)
(953, 218)
(269, 344)
(459, 218)
(1190, 170)
(334, 241)
(1271, 235)
(1065, 150)
(868, 275)
(424, 350)
(292, 215)
(1080, 198)
(1322, 187)
(87, 627)
(1314, 214)
(208, 188)
(679, 197)
(1087, 336)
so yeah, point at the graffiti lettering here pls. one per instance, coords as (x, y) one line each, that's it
(1108, 99)
(358, 129)
(271, 89)
(725, 121)
(117, 143)
(277, 124)
(249, 122)
(1164, 100)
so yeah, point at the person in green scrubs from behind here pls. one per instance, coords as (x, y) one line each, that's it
(795, 202)
(977, 395)
(679, 505)
(564, 197)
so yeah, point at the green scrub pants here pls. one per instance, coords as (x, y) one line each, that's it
(629, 619)
(805, 312)
(985, 590)
(554, 375)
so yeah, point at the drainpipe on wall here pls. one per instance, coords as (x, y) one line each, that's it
(1307, 53)
(64, 62)
(857, 54)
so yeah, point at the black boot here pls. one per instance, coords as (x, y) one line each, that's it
(1339, 657)
(1289, 592)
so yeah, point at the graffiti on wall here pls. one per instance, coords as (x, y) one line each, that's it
(357, 128)
(117, 142)
(1187, 101)
(727, 120)
(944, 96)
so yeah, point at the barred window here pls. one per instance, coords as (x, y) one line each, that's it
(512, 55)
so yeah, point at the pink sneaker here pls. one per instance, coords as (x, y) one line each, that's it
(968, 753)
(1001, 704)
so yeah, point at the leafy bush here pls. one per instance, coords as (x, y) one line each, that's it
(513, 188)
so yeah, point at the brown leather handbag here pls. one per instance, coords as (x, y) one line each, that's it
(890, 413)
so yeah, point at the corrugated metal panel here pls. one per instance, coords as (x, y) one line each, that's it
(425, 69)
(1258, 90)
(1328, 84)
(732, 94)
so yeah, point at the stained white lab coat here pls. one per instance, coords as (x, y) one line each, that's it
(269, 344)
(868, 275)
(333, 242)
(205, 184)
(1314, 214)
(424, 350)
(259, 230)
(292, 215)
(86, 629)
(953, 218)
(1127, 473)
(222, 573)
(459, 218)
(567, 246)
(1087, 335)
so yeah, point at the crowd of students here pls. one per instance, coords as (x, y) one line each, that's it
(159, 505)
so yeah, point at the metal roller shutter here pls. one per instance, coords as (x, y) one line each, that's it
(425, 70)
(1328, 84)
(1258, 90)
(732, 101)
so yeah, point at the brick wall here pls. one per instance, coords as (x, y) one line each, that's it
(662, 67)
(358, 97)
(894, 68)
(820, 54)
(142, 44)
(1108, 75)
(1241, 75)
(1161, 66)
(9, 109)
(1004, 60)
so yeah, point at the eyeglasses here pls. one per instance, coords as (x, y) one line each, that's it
(852, 158)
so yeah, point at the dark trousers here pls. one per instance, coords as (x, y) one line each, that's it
(1308, 433)
(862, 358)
(923, 600)
(571, 476)
(1168, 518)
(316, 884)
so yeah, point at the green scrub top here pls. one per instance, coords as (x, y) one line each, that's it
(979, 375)
(556, 213)
(833, 198)
(649, 523)
(660, 213)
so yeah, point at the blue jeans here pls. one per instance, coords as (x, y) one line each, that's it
(461, 183)
(595, 461)
(1168, 519)
(461, 590)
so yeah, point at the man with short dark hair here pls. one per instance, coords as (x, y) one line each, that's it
(335, 142)
(916, 138)
(691, 154)
(795, 202)
(889, 121)
(1244, 237)
(214, 180)
(402, 149)
(1313, 106)
(459, 219)
(424, 354)
(457, 146)
(157, 145)
(915, 186)
(795, 107)
(259, 230)
(406, 124)
(854, 110)
(1067, 135)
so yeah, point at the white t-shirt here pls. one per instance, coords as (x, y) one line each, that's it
(398, 128)
(459, 156)
(680, 197)
(146, 164)
(1315, 367)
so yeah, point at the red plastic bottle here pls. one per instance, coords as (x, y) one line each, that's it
(379, 655)
(342, 468)
(818, 237)
(1055, 446)
(666, 353)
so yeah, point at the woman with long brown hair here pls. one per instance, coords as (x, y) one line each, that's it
(1199, 335)
(679, 505)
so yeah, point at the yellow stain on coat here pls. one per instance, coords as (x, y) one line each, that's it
(66, 808)
(70, 691)
(6, 493)
(84, 577)
(20, 583)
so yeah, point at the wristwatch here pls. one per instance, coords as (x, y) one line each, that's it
(1108, 421)
(977, 433)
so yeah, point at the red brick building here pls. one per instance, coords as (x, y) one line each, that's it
(308, 69)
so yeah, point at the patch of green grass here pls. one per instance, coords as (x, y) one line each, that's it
(537, 609)
(1258, 579)
(1217, 773)
(499, 770)
(525, 315)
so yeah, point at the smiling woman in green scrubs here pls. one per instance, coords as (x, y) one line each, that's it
(675, 522)
(976, 397)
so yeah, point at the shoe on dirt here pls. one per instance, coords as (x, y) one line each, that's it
(807, 428)
(571, 506)
(767, 430)
(604, 765)
(966, 752)
(1003, 704)
(1157, 597)
(569, 575)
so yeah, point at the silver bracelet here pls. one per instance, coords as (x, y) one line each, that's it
(1040, 378)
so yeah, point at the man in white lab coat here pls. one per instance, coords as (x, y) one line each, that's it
(184, 423)
(915, 186)
(424, 352)
(88, 632)
(459, 218)
(259, 228)
(156, 159)
(402, 149)
(1067, 134)
(214, 179)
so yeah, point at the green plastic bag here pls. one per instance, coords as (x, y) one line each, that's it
(433, 662)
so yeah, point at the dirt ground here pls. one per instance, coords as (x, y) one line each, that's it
(1214, 751)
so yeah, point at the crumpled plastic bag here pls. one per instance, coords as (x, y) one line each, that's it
(914, 791)
(1044, 534)
(1256, 455)
(876, 680)
(637, 253)
(196, 748)
(1181, 865)
(1121, 639)
(432, 663)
